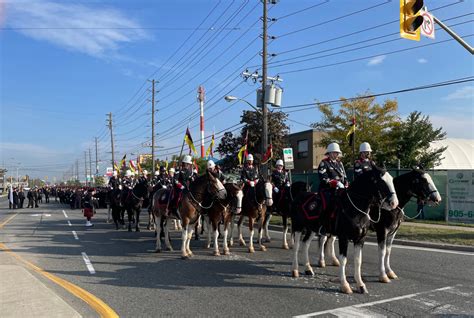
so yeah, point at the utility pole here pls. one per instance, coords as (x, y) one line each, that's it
(85, 165)
(77, 170)
(153, 127)
(96, 160)
(264, 84)
(90, 167)
(112, 140)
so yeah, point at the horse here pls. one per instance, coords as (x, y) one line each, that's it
(117, 209)
(201, 194)
(282, 207)
(254, 206)
(133, 201)
(350, 220)
(222, 210)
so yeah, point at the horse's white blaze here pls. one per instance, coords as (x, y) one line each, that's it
(268, 193)
(432, 187)
(389, 182)
(222, 193)
(240, 196)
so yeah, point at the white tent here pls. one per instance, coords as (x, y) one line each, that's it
(459, 155)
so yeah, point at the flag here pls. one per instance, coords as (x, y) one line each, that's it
(209, 151)
(10, 195)
(243, 151)
(189, 141)
(123, 164)
(350, 133)
(139, 166)
(116, 168)
(195, 166)
(166, 164)
(132, 166)
(268, 155)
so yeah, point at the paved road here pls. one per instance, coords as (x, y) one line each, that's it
(134, 281)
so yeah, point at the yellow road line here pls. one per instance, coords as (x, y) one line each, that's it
(96, 303)
(8, 220)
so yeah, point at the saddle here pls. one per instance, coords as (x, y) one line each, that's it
(319, 205)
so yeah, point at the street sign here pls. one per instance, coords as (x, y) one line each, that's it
(288, 158)
(428, 26)
(109, 172)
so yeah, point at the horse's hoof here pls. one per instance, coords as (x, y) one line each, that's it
(321, 263)
(242, 243)
(335, 262)
(251, 249)
(158, 250)
(184, 257)
(346, 289)
(309, 272)
(231, 243)
(285, 247)
(263, 248)
(190, 254)
(170, 249)
(137, 230)
(384, 279)
(392, 275)
(216, 253)
(295, 273)
(148, 227)
(226, 252)
(363, 290)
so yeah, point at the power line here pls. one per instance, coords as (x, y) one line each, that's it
(302, 10)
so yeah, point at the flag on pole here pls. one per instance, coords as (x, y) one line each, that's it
(268, 155)
(116, 168)
(350, 133)
(10, 195)
(189, 141)
(123, 164)
(139, 166)
(243, 151)
(166, 164)
(196, 166)
(132, 166)
(209, 151)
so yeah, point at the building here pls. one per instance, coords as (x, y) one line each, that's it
(306, 152)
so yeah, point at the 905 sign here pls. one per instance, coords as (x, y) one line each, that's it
(461, 214)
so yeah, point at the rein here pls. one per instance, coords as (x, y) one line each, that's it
(366, 213)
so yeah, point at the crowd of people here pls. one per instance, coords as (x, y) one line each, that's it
(16, 196)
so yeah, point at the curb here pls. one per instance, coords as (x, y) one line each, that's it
(440, 246)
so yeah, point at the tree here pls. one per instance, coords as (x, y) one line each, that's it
(374, 124)
(413, 137)
(99, 181)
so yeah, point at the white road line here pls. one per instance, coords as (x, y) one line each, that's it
(69, 223)
(348, 309)
(406, 247)
(88, 263)
(65, 215)
(75, 235)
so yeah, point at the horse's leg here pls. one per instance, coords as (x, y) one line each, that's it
(343, 244)
(251, 249)
(158, 234)
(215, 228)
(296, 247)
(322, 242)
(330, 250)
(308, 270)
(382, 249)
(130, 217)
(197, 226)
(227, 220)
(137, 219)
(239, 230)
(190, 236)
(184, 240)
(167, 236)
(231, 234)
(390, 273)
(207, 220)
(268, 217)
(285, 232)
(260, 233)
(357, 267)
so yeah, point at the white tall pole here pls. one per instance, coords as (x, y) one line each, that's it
(201, 107)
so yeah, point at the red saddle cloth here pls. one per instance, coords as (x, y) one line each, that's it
(314, 205)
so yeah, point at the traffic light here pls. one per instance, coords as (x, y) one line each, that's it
(410, 19)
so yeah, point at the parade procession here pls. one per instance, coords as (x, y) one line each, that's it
(236, 158)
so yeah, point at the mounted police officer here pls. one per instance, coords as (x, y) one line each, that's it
(127, 181)
(249, 174)
(186, 173)
(331, 170)
(143, 178)
(364, 163)
(114, 181)
(216, 172)
(280, 177)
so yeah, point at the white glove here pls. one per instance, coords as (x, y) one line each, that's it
(276, 190)
(340, 185)
(252, 184)
(163, 186)
(120, 187)
(182, 187)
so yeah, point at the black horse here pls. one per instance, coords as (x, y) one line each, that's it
(117, 210)
(132, 201)
(350, 220)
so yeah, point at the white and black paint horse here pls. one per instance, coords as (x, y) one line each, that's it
(351, 222)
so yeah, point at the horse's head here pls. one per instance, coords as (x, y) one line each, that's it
(215, 186)
(423, 187)
(141, 190)
(235, 193)
(265, 191)
(379, 183)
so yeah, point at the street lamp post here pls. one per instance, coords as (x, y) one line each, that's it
(230, 98)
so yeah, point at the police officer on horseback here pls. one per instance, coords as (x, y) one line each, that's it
(214, 169)
(364, 163)
(331, 170)
(114, 181)
(249, 174)
(280, 177)
(127, 181)
(185, 174)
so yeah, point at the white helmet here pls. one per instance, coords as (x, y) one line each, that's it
(188, 159)
(249, 157)
(157, 173)
(333, 147)
(136, 172)
(145, 172)
(365, 147)
(128, 173)
(115, 173)
(171, 170)
(210, 164)
(279, 162)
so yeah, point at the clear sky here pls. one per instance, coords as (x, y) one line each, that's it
(66, 64)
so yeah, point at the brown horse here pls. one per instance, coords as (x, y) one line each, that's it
(222, 210)
(201, 195)
(254, 206)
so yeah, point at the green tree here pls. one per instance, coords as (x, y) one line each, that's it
(99, 181)
(413, 137)
(374, 124)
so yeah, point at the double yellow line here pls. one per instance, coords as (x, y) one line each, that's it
(96, 303)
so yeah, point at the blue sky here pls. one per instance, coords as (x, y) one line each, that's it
(66, 64)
